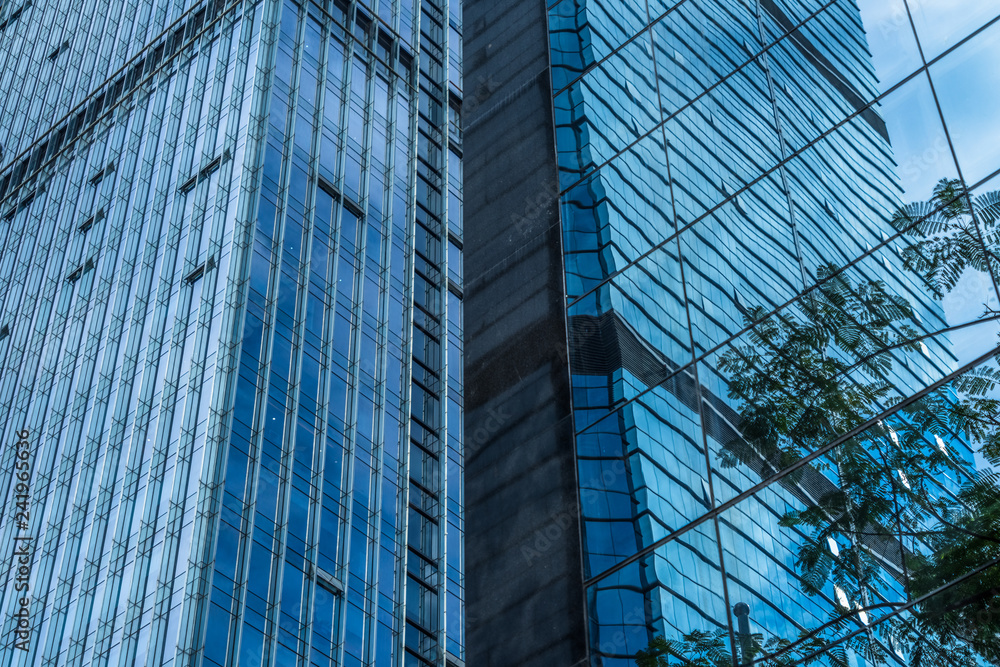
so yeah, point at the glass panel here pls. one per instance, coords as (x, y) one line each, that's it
(605, 111)
(841, 355)
(698, 44)
(626, 340)
(975, 296)
(884, 547)
(721, 143)
(941, 25)
(742, 253)
(968, 86)
(583, 32)
(890, 40)
(670, 603)
(637, 321)
(616, 214)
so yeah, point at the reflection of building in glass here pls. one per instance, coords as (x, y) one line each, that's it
(709, 157)
(230, 265)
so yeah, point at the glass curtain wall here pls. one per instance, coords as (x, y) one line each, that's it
(232, 326)
(116, 240)
(732, 173)
(341, 520)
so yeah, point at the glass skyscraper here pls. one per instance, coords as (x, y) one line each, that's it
(644, 180)
(231, 333)
(277, 389)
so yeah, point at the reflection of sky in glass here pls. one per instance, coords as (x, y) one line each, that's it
(942, 23)
(890, 40)
(919, 143)
(967, 83)
(966, 303)
(969, 300)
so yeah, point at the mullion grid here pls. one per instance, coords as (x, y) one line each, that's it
(774, 168)
(103, 286)
(872, 251)
(806, 288)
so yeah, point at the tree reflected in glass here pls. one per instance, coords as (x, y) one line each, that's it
(905, 537)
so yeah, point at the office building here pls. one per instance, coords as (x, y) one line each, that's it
(231, 332)
(639, 177)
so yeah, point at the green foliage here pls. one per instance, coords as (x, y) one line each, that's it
(946, 239)
(820, 370)
(700, 649)
(969, 611)
(792, 379)
(711, 649)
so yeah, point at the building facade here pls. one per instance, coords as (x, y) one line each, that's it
(640, 176)
(231, 345)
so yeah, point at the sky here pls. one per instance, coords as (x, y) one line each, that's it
(967, 83)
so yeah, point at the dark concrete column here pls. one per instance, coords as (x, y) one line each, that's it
(525, 600)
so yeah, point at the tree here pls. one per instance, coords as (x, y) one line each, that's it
(821, 370)
(950, 233)
(711, 649)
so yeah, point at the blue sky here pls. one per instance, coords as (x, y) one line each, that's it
(967, 82)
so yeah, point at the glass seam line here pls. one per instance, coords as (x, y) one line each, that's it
(783, 147)
(802, 462)
(788, 303)
(690, 329)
